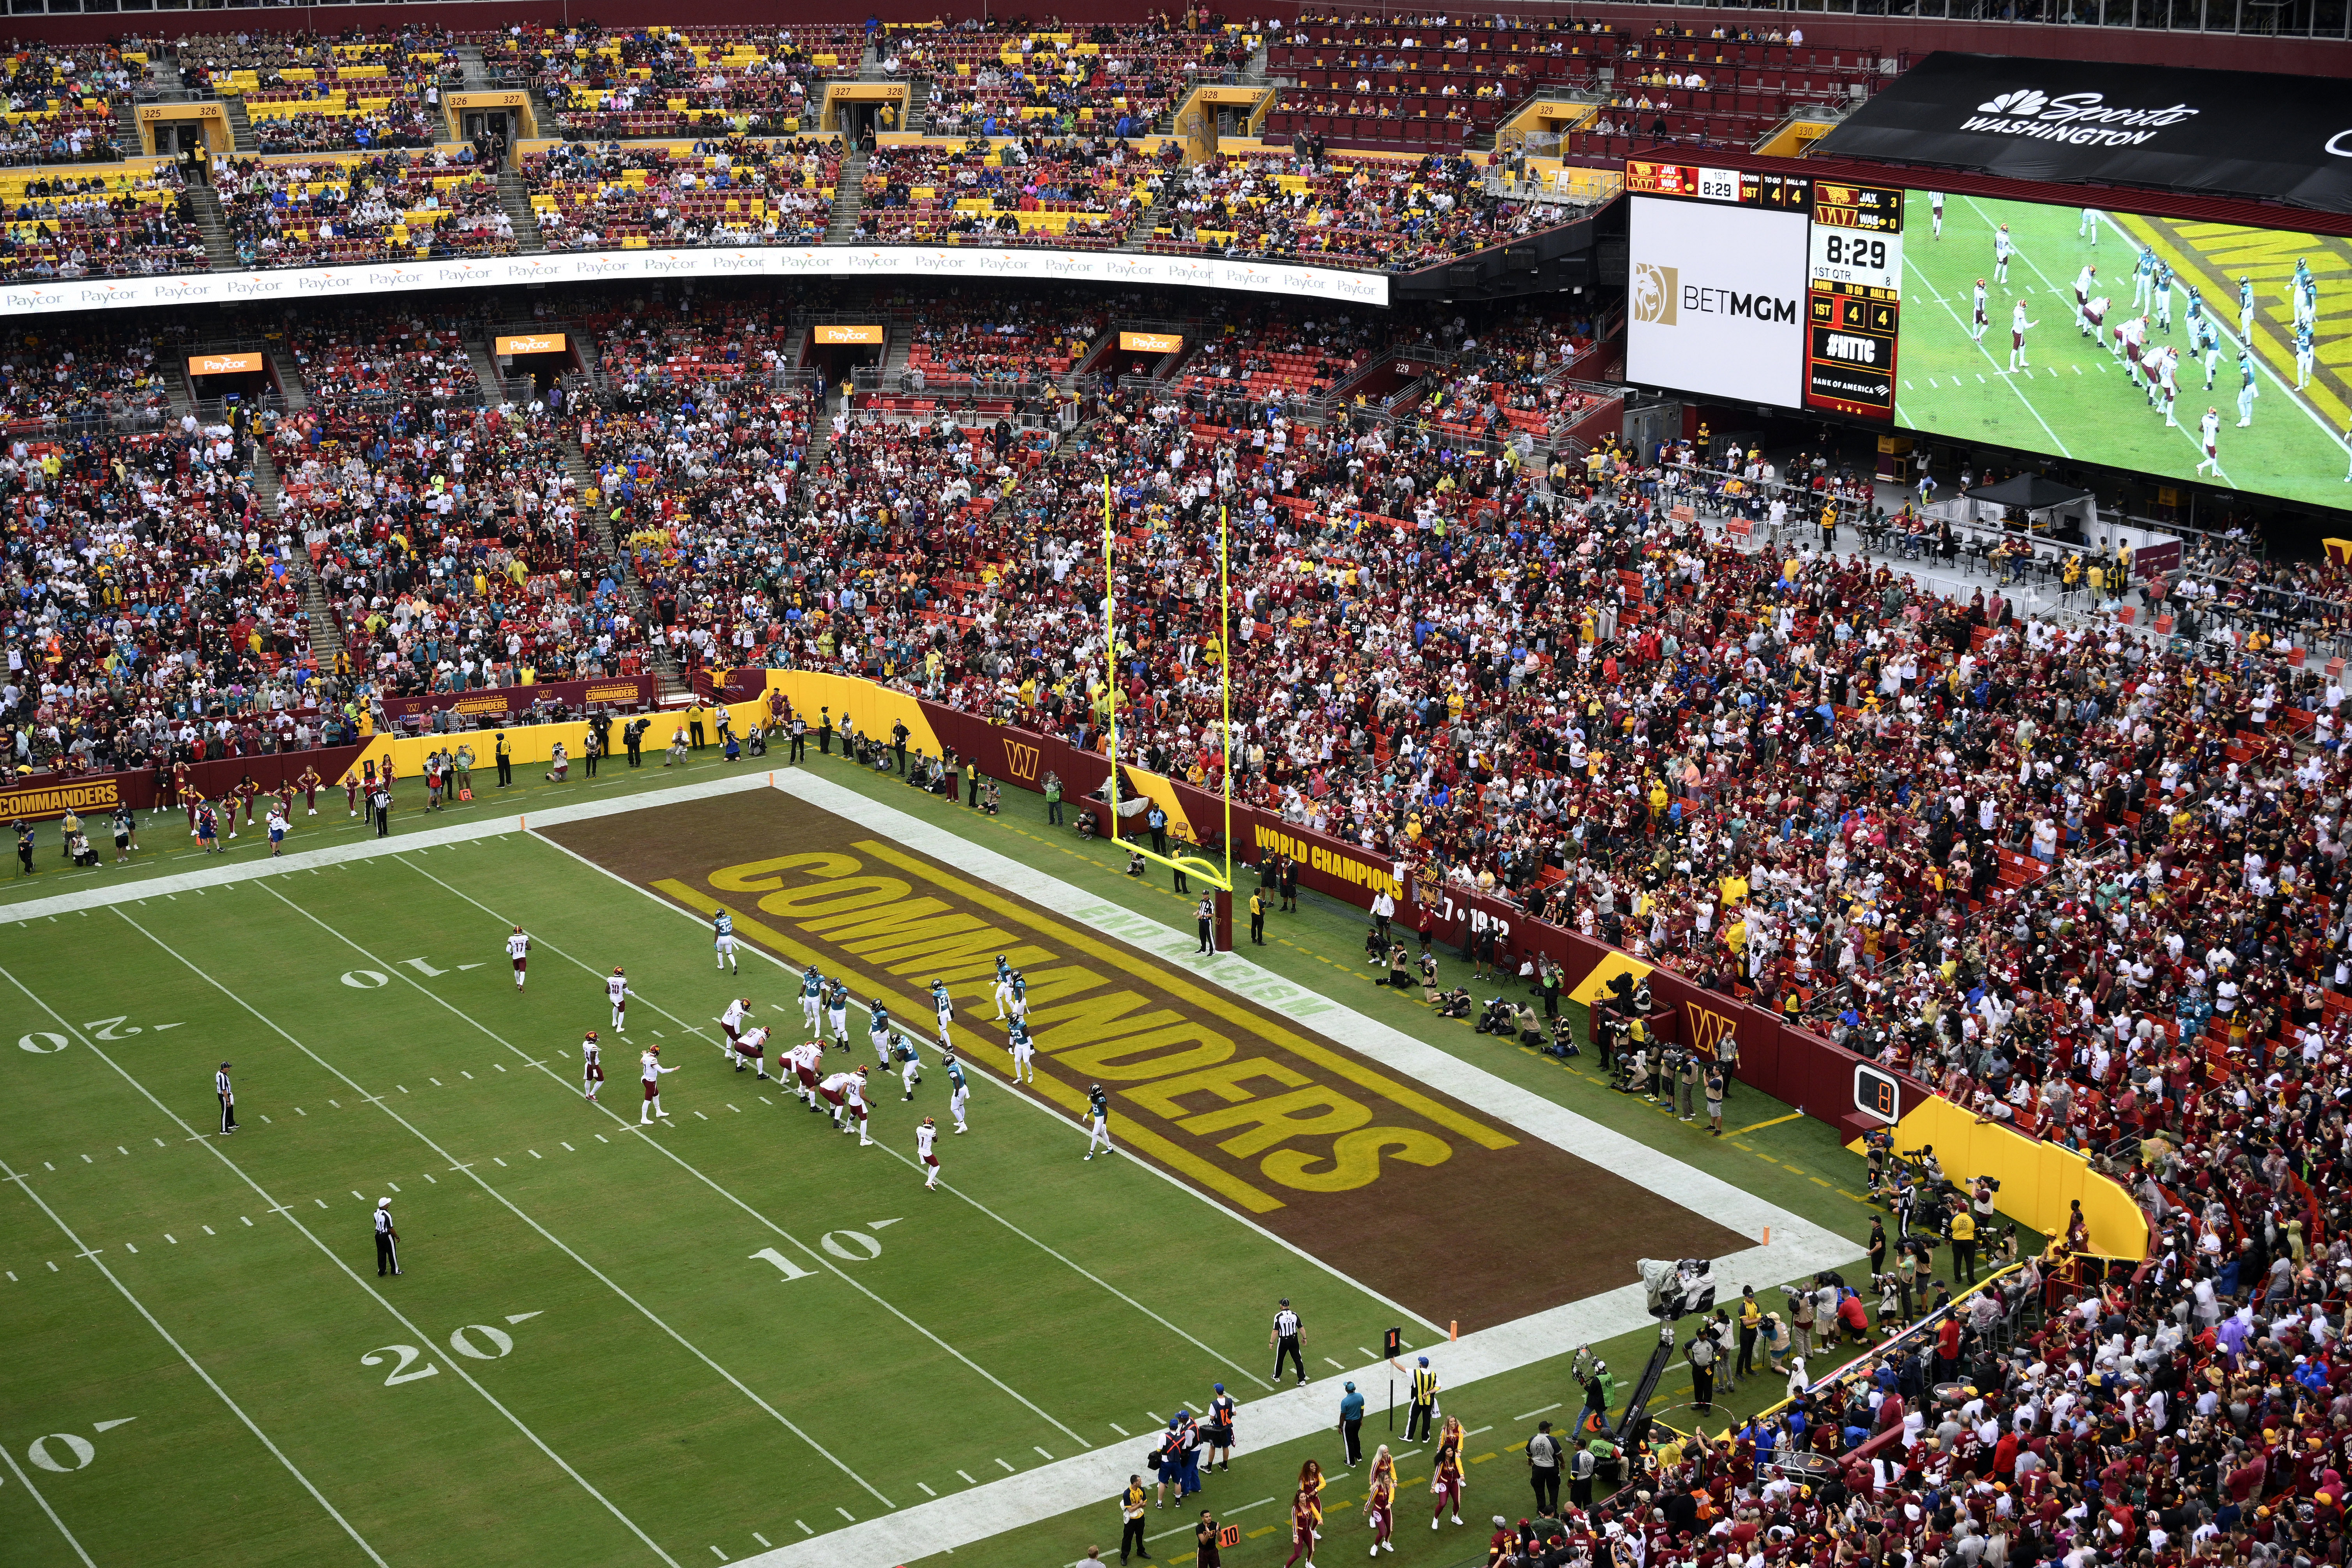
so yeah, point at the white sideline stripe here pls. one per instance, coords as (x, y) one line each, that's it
(1090, 1481)
(100, 897)
(1799, 1246)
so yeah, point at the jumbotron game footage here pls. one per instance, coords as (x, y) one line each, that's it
(837, 790)
(2237, 308)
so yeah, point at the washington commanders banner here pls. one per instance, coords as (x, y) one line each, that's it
(2239, 132)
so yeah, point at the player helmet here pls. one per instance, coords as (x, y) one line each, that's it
(861, 1072)
(518, 930)
(617, 969)
(1094, 1089)
(654, 1050)
(927, 1121)
(999, 958)
(592, 1033)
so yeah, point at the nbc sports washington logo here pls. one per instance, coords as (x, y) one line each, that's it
(1655, 290)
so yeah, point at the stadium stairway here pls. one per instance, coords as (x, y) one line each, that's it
(470, 61)
(849, 198)
(486, 371)
(514, 195)
(666, 674)
(919, 104)
(289, 380)
(240, 128)
(204, 201)
(128, 139)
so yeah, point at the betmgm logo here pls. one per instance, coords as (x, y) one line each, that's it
(1659, 298)
(1655, 292)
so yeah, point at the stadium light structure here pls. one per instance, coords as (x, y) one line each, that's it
(1219, 878)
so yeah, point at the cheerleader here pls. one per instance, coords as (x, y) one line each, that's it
(1310, 1482)
(1302, 1529)
(1445, 1482)
(1380, 1508)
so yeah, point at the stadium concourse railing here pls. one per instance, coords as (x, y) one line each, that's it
(2039, 1180)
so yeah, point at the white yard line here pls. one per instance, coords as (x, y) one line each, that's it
(896, 1154)
(1058, 1120)
(27, 1482)
(417, 1335)
(83, 1250)
(549, 1073)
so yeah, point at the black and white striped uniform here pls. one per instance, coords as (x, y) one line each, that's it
(227, 1101)
(387, 1242)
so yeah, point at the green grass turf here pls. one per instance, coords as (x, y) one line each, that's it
(2074, 399)
(683, 1379)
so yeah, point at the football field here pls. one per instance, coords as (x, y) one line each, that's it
(736, 1334)
(2073, 398)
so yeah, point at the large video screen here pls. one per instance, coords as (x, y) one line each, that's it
(1716, 287)
(2251, 324)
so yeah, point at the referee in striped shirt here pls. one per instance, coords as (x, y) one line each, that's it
(222, 1088)
(1285, 1341)
(387, 1239)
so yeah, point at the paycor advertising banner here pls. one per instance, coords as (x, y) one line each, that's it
(1716, 299)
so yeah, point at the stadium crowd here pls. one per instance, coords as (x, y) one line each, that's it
(388, 207)
(734, 191)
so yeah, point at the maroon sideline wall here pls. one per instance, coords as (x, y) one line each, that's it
(1794, 1065)
(97, 794)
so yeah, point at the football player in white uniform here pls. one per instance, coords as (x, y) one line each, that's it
(617, 989)
(1004, 986)
(652, 1064)
(517, 949)
(752, 1047)
(591, 1066)
(845, 1091)
(806, 1058)
(731, 1023)
(927, 1135)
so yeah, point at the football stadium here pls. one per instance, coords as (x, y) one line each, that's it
(1522, 789)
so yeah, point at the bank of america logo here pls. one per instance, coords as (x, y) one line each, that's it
(1655, 289)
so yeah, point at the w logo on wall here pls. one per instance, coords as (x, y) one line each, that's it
(1021, 761)
(1710, 1030)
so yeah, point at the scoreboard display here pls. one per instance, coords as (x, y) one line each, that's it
(1739, 188)
(1853, 300)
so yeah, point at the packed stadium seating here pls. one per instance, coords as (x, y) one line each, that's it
(667, 81)
(59, 101)
(361, 207)
(371, 357)
(1074, 194)
(67, 371)
(736, 191)
(1115, 80)
(118, 223)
